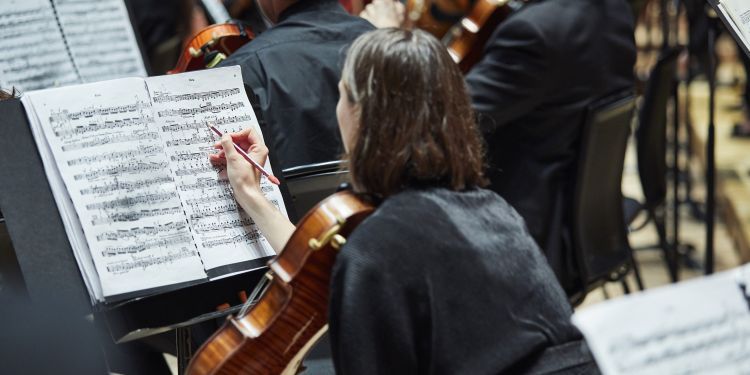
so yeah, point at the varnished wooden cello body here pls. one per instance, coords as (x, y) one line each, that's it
(273, 335)
(464, 26)
(466, 39)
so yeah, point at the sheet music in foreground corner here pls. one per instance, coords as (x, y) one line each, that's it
(130, 158)
(700, 326)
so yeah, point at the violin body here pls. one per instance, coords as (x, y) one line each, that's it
(274, 334)
(211, 45)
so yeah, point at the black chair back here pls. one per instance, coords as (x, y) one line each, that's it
(651, 134)
(599, 231)
(310, 184)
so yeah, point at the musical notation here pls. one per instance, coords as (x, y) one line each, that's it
(145, 262)
(133, 167)
(162, 97)
(222, 197)
(241, 238)
(223, 225)
(205, 183)
(195, 125)
(189, 156)
(117, 185)
(101, 39)
(184, 104)
(129, 216)
(132, 201)
(106, 125)
(196, 139)
(142, 246)
(108, 140)
(203, 108)
(141, 231)
(202, 213)
(26, 23)
(699, 326)
(142, 150)
(196, 170)
(64, 116)
(674, 344)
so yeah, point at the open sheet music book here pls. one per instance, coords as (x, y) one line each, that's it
(127, 161)
(48, 43)
(699, 326)
(736, 15)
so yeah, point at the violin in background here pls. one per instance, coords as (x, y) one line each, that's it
(212, 45)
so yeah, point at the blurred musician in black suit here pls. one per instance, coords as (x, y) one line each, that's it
(294, 67)
(540, 70)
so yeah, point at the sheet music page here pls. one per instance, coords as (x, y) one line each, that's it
(34, 54)
(700, 326)
(65, 206)
(100, 38)
(183, 104)
(111, 159)
(739, 12)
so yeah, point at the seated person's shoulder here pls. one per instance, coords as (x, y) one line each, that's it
(412, 223)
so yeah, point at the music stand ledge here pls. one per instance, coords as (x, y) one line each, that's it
(46, 258)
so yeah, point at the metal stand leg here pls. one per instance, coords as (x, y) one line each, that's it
(184, 348)
(710, 157)
(675, 245)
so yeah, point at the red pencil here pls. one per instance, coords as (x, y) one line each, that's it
(247, 157)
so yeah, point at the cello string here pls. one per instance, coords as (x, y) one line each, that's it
(254, 296)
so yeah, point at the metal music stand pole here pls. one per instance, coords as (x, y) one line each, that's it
(711, 145)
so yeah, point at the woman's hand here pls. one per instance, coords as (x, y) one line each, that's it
(244, 178)
(245, 181)
(384, 13)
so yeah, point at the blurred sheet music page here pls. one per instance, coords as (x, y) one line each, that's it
(127, 161)
(699, 326)
(737, 13)
(34, 52)
(51, 43)
(101, 39)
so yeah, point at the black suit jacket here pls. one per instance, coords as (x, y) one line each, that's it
(541, 68)
(294, 68)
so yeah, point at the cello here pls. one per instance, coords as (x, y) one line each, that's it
(272, 335)
(464, 26)
(466, 39)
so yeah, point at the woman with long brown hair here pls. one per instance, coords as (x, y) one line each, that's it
(443, 277)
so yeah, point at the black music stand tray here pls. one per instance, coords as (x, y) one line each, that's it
(48, 265)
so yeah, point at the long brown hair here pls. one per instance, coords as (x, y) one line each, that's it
(8, 95)
(416, 125)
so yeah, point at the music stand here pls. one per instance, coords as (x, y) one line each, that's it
(721, 13)
(48, 265)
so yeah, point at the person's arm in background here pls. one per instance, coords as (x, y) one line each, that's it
(384, 13)
(508, 81)
(511, 78)
(245, 182)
